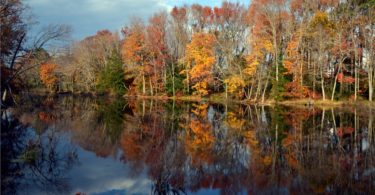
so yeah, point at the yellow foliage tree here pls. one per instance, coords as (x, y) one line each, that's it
(235, 85)
(200, 58)
(260, 47)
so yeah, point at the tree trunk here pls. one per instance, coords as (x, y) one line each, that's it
(370, 82)
(143, 84)
(258, 89)
(276, 55)
(173, 88)
(251, 91)
(301, 72)
(322, 84)
(187, 82)
(355, 80)
(355, 65)
(264, 89)
(4, 96)
(156, 79)
(151, 88)
(370, 128)
(335, 82)
(226, 90)
(314, 78)
(320, 61)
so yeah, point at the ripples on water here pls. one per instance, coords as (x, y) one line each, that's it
(72, 145)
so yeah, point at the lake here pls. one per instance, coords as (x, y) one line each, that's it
(82, 145)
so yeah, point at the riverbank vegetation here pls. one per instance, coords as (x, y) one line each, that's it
(269, 51)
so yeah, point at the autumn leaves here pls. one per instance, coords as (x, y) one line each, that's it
(200, 59)
(47, 75)
(270, 50)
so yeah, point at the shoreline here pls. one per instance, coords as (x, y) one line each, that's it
(220, 99)
(269, 102)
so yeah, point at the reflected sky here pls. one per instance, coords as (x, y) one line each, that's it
(72, 145)
(106, 176)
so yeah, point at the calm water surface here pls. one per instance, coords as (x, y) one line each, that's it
(75, 145)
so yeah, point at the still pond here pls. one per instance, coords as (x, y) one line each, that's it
(82, 145)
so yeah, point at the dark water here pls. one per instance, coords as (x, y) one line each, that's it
(72, 145)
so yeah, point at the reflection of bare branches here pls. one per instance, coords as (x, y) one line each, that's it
(245, 152)
(13, 135)
(39, 160)
(162, 187)
(52, 161)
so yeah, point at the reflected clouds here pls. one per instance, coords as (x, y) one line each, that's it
(100, 175)
(160, 147)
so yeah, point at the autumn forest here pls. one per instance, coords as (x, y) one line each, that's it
(272, 50)
(263, 97)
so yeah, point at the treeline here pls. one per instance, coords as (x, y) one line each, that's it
(273, 49)
(23, 55)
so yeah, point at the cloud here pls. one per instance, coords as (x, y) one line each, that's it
(88, 16)
(103, 175)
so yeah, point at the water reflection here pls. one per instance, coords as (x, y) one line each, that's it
(33, 160)
(162, 147)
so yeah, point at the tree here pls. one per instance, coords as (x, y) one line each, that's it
(111, 77)
(293, 63)
(230, 25)
(200, 59)
(201, 17)
(48, 76)
(293, 49)
(88, 59)
(257, 62)
(340, 50)
(269, 17)
(15, 53)
(369, 37)
(179, 33)
(235, 85)
(134, 51)
(157, 46)
(322, 29)
(13, 31)
(178, 37)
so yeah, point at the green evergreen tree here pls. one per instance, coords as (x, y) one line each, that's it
(278, 87)
(111, 78)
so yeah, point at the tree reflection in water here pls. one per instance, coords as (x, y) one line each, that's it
(37, 159)
(188, 147)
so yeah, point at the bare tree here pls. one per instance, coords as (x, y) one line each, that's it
(15, 52)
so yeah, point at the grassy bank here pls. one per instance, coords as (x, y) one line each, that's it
(327, 103)
(220, 98)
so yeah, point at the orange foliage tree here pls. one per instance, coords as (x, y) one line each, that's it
(293, 65)
(200, 58)
(47, 75)
(157, 47)
(135, 53)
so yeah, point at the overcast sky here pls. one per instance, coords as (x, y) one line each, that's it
(86, 17)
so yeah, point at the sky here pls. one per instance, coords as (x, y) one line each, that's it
(86, 17)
